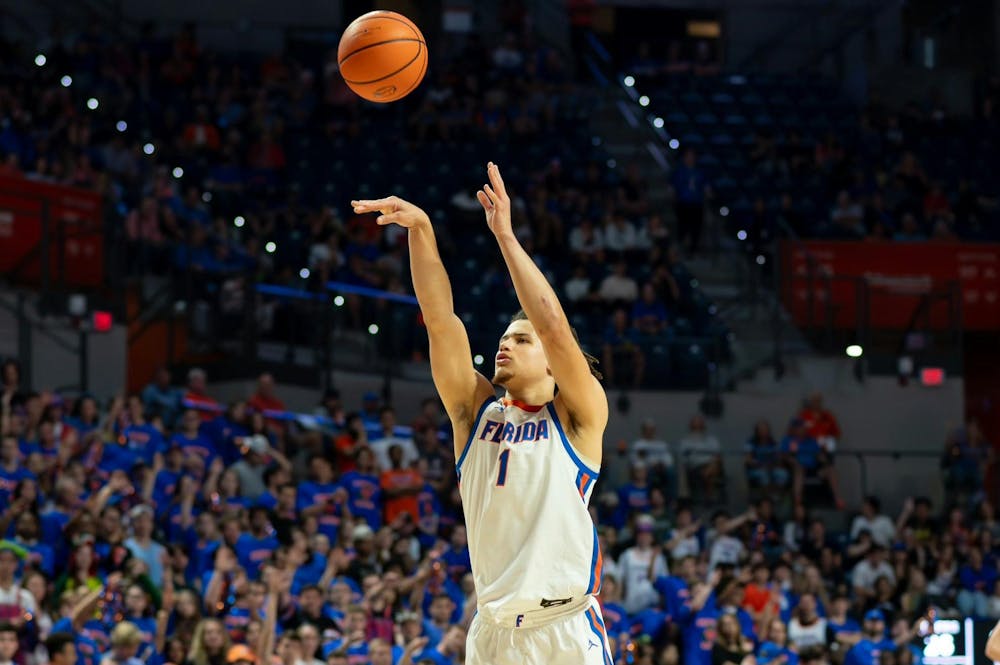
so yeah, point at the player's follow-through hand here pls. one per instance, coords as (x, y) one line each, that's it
(394, 210)
(495, 202)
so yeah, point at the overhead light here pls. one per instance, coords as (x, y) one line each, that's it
(478, 359)
(741, 235)
(40, 59)
(724, 211)
(373, 329)
(178, 172)
(304, 273)
(644, 101)
(206, 197)
(121, 125)
(270, 247)
(658, 122)
(149, 148)
(629, 81)
(238, 221)
(674, 144)
(854, 351)
(338, 301)
(92, 103)
(66, 81)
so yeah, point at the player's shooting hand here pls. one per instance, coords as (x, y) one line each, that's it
(495, 202)
(393, 210)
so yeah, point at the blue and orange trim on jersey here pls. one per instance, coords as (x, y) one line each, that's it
(594, 473)
(583, 482)
(472, 433)
(597, 627)
(596, 568)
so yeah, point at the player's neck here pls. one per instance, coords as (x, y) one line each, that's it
(533, 396)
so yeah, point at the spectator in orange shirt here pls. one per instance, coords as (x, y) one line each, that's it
(265, 400)
(400, 487)
(757, 596)
(820, 424)
(206, 406)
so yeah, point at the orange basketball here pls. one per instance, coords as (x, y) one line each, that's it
(382, 56)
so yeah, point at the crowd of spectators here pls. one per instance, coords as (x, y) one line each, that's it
(166, 527)
(793, 155)
(223, 170)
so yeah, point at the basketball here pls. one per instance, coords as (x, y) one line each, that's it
(382, 56)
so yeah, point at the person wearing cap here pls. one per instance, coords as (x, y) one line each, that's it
(370, 405)
(16, 602)
(365, 561)
(873, 641)
(640, 566)
(141, 544)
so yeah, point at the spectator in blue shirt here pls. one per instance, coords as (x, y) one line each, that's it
(774, 650)
(192, 441)
(649, 315)
(810, 460)
(254, 548)
(977, 580)
(873, 642)
(11, 469)
(764, 462)
(689, 187)
(622, 355)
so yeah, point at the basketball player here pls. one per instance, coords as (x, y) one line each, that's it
(526, 463)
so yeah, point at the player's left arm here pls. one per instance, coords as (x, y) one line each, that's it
(580, 392)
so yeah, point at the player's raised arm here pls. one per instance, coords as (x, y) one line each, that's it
(579, 390)
(461, 387)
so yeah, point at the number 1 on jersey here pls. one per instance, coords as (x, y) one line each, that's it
(502, 475)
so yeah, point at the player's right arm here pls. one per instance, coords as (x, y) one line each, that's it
(461, 387)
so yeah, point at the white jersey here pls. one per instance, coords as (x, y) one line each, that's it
(525, 492)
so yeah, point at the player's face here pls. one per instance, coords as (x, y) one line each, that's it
(520, 355)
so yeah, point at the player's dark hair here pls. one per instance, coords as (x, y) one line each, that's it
(592, 361)
(7, 627)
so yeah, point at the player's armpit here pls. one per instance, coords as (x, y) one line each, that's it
(580, 393)
(462, 389)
